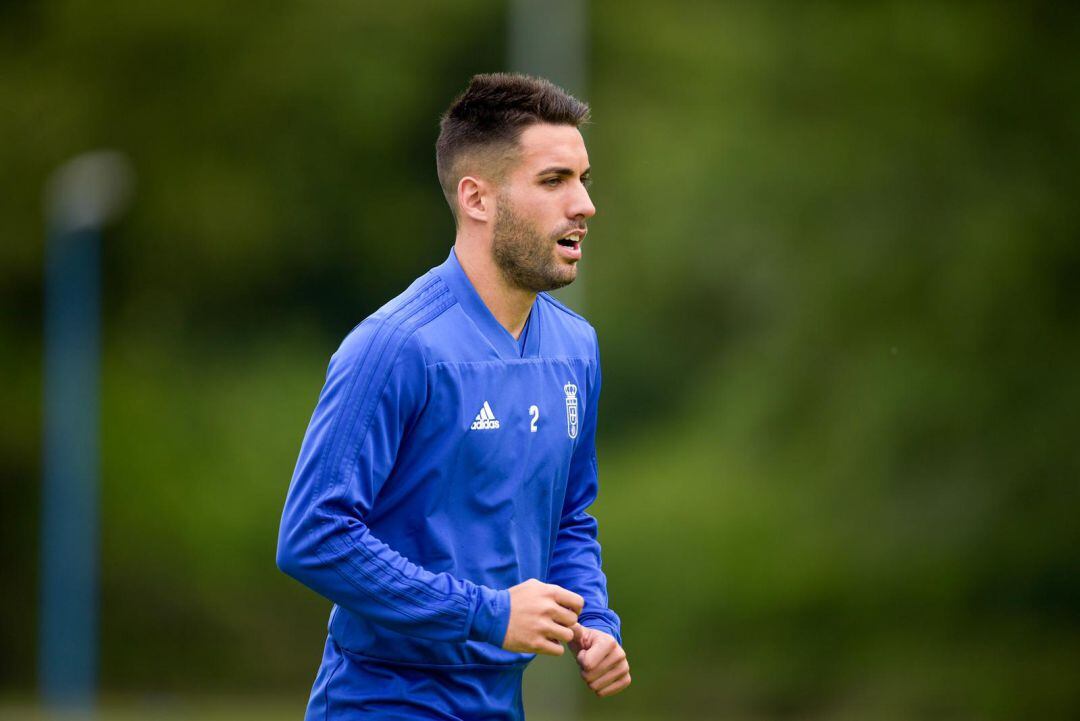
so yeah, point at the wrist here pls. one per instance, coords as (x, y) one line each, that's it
(597, 624)
(491, 616)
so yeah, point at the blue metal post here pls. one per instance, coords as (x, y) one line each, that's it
(69, 544)
(81, 197)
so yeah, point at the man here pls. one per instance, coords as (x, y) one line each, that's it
(441, 491)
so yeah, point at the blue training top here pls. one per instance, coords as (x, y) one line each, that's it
(444, 464)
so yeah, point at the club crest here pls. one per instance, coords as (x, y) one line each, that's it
(571, 409)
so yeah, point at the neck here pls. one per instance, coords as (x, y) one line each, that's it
(509, 304)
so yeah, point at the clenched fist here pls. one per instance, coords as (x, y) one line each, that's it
(541, 617)
(602, 660)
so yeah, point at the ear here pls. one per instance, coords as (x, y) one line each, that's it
(475, 198)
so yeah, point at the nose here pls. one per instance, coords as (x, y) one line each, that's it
(582, 206)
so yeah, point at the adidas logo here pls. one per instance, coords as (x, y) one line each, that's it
(485, 419)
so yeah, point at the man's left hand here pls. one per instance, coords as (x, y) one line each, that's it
(602, 660)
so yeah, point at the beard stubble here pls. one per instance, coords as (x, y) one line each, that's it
(524, 255)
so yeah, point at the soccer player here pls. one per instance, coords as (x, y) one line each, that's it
(440, 497)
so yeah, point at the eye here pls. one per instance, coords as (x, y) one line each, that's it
(586, 180)
(552, 182)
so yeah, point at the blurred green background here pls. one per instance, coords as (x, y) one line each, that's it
(835, 273)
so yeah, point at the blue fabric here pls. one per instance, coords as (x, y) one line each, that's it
(443, 464)
(523, 337)
(353, 686)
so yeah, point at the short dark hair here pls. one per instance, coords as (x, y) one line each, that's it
(490, 115)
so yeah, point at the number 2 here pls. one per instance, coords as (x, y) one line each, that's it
(534, 411)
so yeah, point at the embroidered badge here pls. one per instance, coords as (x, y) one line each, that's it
(571, 409)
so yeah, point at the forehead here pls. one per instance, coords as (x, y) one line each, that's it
(545, 145)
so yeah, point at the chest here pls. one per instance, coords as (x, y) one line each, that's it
(510, 418)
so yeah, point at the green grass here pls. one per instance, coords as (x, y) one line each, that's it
(223, 709)
(168, 709)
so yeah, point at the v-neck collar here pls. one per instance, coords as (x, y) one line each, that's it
(505, 345)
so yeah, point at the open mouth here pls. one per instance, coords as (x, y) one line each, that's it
(570, 247)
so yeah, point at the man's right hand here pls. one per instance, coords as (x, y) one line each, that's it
(542, 616)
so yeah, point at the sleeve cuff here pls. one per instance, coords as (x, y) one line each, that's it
(491, 617)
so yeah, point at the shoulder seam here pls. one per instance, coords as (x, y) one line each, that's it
(416, 320)
(386, 329)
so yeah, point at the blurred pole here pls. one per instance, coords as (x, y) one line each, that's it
(81, 197)
(549, 38)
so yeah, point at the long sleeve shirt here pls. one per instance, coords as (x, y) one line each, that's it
(443, 464)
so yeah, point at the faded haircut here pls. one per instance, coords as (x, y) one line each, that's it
(484, 123)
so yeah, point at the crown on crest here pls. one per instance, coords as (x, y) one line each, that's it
(571, 390)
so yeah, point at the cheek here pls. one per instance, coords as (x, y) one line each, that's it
(542, 209)
(544, 221)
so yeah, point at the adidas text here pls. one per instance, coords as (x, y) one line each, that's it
(485, 419)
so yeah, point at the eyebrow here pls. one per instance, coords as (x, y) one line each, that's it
(561, 171)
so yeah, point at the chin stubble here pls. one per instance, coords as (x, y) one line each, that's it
(524, 255)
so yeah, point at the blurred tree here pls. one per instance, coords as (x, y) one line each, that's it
(852, 240)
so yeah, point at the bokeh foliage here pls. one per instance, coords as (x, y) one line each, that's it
(835, 274)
